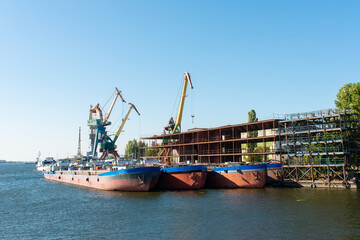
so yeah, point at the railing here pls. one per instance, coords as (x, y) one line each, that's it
(304, 150)
(291, 140)
(313, 114)
(299, 129)
(270, 150)
(314, 161)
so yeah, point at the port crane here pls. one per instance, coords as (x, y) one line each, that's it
(98, 123)
(107, 145)
(175, 127)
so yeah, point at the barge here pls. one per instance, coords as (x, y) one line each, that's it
(119, 178)
(191, 177)
(275, 173)
(241, 176)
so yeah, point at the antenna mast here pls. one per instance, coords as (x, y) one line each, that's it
(79, 144)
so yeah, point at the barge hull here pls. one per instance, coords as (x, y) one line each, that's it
(237, 177)
(138, 181)
(181, 181)
(190, 177)
(275, 173)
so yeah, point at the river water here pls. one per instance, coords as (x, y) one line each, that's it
(34, 208)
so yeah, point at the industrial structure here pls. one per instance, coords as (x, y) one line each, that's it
(98, 134)
(218, 145)
(175, 127)
(317, 148)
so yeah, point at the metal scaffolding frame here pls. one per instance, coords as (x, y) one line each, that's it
(318, 147)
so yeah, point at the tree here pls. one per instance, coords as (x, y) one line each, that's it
(142, 151)
(151, 152)
(251, 134)
(132, 149)
(259, 158)
(252, 116)
(348, 97)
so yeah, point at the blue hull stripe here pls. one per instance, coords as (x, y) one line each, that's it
(185, 169)
(276, 165)
(131, 170)
(136, 175)
(242, 168)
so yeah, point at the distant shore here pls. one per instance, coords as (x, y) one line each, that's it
(4, 161)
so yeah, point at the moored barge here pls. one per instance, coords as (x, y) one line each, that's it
(190, 177)
(241, 176)
(275, 173)
(120, 179)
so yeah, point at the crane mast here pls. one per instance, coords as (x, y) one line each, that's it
(98, 124)
(107, 146)
(91, 134)
(176, 127)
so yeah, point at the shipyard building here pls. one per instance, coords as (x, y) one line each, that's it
(317, 148)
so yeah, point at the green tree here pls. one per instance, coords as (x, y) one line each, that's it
(142, 151)
(251, 134)
(348, 97)
(132, 149)
(152, 152)
(252, 116)
(259, 158)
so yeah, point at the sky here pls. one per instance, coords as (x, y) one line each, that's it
(58, 57)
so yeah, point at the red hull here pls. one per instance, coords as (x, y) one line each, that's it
(255, 179)
(182, 181)
(274, 175)
(104, 184)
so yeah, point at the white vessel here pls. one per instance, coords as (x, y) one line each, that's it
(44, 164)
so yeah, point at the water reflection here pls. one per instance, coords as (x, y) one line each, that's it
(120, 194)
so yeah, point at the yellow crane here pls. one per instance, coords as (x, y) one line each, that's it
(107, 145)
(107, 115)
(175, 127)
(132, 106)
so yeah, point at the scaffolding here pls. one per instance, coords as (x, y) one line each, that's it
(320, 147)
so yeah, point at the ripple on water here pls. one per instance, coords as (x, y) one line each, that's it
(34, 208)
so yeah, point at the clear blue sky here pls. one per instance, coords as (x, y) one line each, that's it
(58, 57)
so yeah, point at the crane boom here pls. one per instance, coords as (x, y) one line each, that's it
(132, 106)
(107, 115)
(177, 126)
(98, 112)
(98, 125)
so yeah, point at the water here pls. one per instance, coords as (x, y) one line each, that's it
(34, 208)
